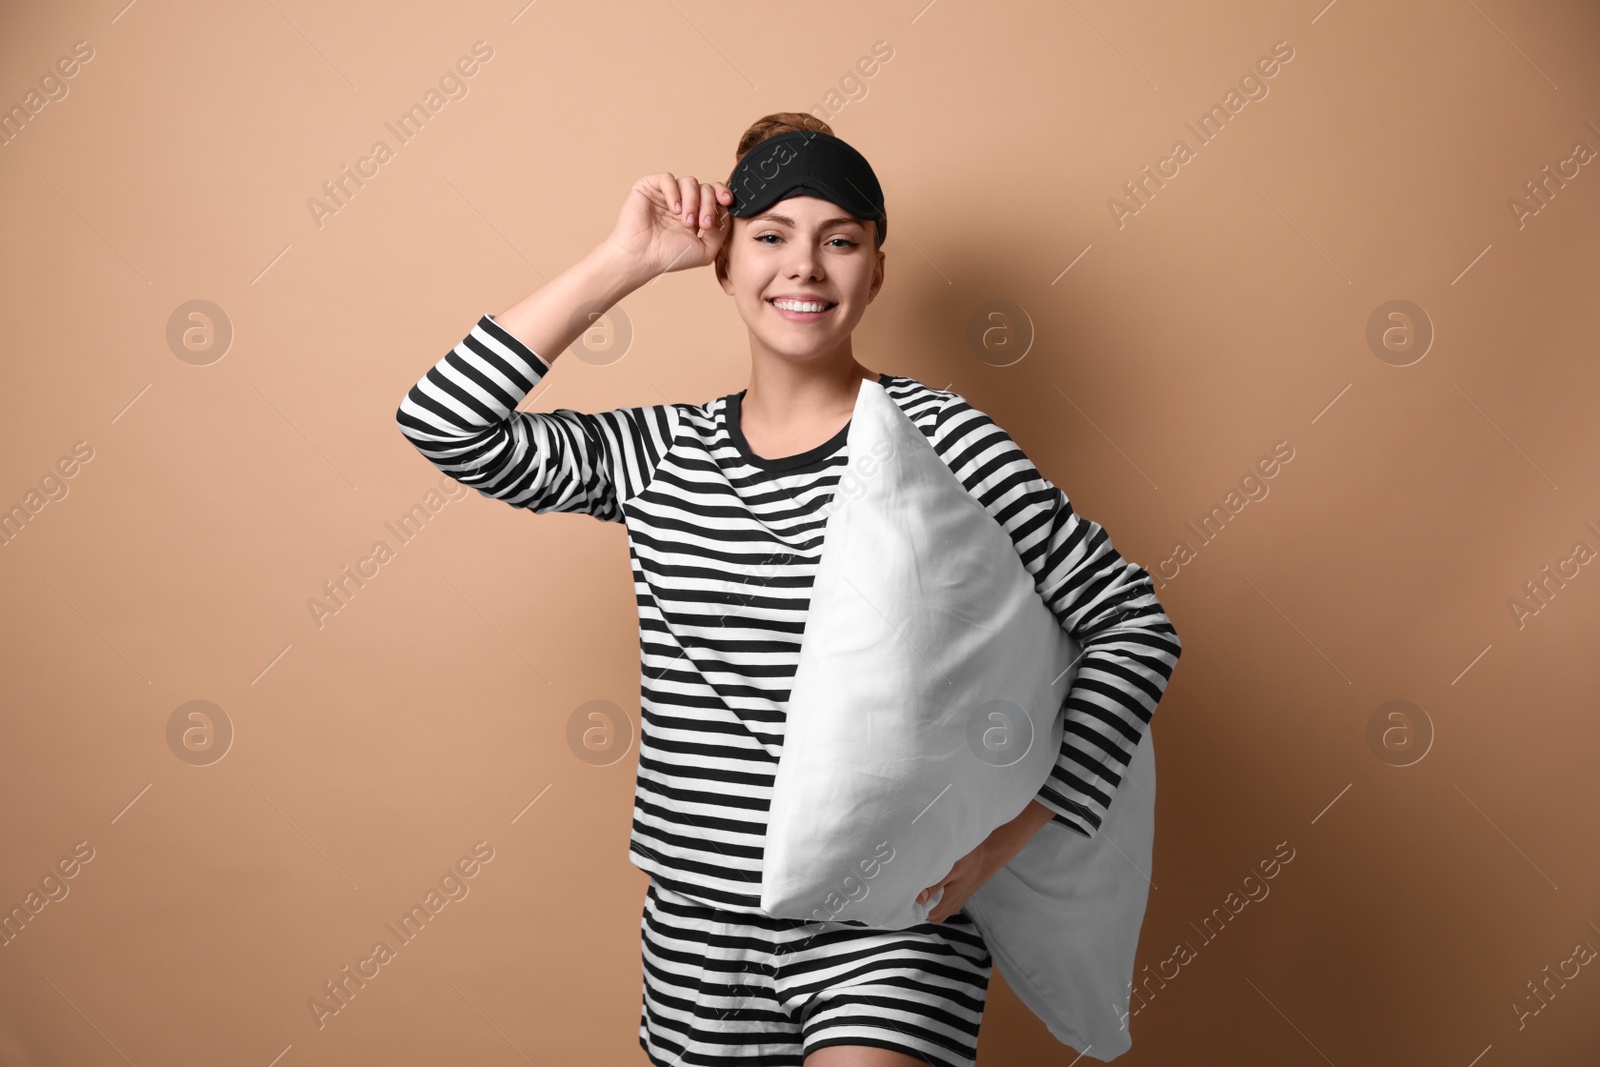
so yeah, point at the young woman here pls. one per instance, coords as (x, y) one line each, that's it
(724, 503)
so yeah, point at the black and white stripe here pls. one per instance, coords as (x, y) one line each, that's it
(721, 987)
(724, 546)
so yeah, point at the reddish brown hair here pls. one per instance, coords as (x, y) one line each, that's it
(771, 126)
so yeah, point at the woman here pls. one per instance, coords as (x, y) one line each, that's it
(724, 503)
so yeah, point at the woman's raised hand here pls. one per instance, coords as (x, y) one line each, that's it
(669, 223)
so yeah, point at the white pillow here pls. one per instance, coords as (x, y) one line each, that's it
(897, 761)
(1062, 918)
(925, 707)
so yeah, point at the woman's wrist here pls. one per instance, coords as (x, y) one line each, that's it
(613, 272)
(1009, 838)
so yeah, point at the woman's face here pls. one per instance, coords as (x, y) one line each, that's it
(802, 247)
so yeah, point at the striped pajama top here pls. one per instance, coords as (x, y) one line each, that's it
(724, 546)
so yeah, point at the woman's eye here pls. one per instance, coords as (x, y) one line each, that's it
(845, 240)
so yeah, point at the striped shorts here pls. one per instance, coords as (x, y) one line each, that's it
(724, 987)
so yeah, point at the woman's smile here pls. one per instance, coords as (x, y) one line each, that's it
(802, 309)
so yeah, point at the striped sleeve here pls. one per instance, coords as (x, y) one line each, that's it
(1107, 603)
(461, 415)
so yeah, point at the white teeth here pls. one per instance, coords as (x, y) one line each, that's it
(798, 305)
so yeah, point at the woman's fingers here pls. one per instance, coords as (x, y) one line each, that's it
(709, 208)
(704, 208)
(689, 197)
(698, 205)
(667, 186)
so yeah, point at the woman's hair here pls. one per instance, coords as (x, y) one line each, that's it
(771, 126)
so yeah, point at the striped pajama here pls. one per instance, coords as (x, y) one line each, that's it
(724, 546)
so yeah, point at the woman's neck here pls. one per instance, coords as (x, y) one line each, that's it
(791, 407)
(784, 390)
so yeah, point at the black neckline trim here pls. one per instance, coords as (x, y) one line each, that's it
(782, 463)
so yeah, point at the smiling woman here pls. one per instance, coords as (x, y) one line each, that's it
(726, 503)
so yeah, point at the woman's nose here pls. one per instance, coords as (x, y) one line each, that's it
(805, 265)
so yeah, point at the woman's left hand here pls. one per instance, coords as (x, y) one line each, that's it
(970, 872)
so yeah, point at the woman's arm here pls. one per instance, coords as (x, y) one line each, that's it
(985, 861)
(461, 414)
(1007, 839)
(1105, 602)
(557, 313)
(666, 224)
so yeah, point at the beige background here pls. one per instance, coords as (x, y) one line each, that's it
(1228, 313)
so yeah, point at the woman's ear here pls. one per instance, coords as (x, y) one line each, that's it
(877, 279)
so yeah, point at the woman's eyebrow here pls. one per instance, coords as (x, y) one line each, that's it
(823, 225)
